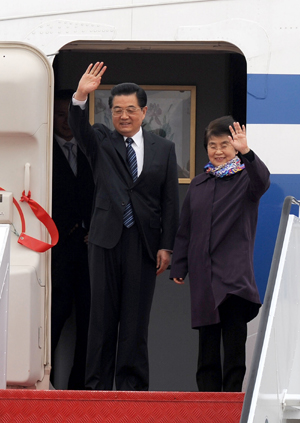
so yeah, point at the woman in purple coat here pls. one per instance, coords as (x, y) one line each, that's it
(214, 244)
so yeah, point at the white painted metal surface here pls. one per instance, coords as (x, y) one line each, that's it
(261, 29)
(276, 394)
(4, 290)
(26, 98)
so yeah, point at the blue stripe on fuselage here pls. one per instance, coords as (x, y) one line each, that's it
(273, 99)
(268, 221)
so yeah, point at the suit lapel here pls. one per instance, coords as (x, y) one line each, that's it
(149, 152)
(60, 159)
(119, 144)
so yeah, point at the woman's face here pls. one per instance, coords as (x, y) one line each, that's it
(220, 150)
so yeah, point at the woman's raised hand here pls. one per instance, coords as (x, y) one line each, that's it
(238, 138)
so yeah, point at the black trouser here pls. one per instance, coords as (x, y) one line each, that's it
(122, 287)
(234, 315)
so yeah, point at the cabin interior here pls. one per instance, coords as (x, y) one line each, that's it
(218, 72)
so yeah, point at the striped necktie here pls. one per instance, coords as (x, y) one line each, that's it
(71, 157)
(128, 218)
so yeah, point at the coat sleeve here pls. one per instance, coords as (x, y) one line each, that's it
(259, 176)
(170, 203)
(179, 267)
(84, 133)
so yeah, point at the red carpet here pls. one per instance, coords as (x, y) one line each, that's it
(110, 406)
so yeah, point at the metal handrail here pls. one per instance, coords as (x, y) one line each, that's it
(286, 208)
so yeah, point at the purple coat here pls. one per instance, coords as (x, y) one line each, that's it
(215, 238)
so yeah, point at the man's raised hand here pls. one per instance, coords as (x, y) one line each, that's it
(90, 80)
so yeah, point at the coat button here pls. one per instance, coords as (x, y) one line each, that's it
(123, 204)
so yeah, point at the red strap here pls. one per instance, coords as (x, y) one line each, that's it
(26, 240)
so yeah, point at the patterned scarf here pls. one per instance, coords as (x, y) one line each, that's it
(230, 168)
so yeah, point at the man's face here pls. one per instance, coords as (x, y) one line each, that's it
(61, 126)
(131, 116)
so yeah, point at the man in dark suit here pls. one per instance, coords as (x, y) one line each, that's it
(136, 176)
(72, 197)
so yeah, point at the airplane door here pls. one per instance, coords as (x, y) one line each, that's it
(26, 104)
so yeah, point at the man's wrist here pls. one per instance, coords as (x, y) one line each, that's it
(80, 103)
(80, 96)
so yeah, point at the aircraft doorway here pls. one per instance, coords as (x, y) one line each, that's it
(220, 81)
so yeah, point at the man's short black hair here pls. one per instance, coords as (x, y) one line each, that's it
(127, 88)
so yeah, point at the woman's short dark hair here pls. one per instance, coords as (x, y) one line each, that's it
(218, 127)
(127, 88)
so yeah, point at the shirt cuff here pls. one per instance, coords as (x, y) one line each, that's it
(80, 103)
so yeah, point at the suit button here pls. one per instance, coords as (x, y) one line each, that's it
(123, 204)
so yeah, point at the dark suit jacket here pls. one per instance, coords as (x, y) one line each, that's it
(154, 195)
(72, 197)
